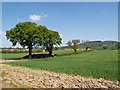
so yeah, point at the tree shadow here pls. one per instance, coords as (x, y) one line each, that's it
(38, 56)
(11, 58)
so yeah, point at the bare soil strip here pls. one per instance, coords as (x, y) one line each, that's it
(28, 78)
(2, 60)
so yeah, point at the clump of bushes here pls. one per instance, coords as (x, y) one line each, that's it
(9, 51)
(18, 50)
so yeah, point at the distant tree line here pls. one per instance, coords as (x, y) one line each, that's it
(98, 45)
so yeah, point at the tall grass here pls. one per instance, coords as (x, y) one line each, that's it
(97, 64)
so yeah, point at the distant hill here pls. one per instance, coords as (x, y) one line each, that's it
(100, 44)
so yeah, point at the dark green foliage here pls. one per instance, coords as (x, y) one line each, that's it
(23, 33)
(30, 35)
(49, 38)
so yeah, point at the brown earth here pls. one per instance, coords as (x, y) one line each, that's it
(2, 60)
(28, 78)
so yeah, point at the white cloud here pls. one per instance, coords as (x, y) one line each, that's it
(35, 17)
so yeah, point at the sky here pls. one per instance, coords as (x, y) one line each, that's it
(60, 0)
(73, 20)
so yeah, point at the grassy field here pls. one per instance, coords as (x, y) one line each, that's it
(13, 55)
(97, 64)
(20, 55)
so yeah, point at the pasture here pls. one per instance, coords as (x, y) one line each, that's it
(97, 63)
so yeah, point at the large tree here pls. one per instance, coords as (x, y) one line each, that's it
(74, 44)
(25, 34)
(49, 38)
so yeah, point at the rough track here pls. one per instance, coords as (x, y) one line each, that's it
(2, 60)
(24, 77)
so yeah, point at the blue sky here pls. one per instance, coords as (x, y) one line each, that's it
(80, 20)
(60, 0)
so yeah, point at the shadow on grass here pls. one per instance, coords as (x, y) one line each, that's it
(38, 56)
(11, 58)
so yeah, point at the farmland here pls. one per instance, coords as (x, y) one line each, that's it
(97, 63)
(60, 45)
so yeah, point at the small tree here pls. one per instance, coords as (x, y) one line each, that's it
(86, 44)
(86, 48)
(24, 34)
(74, 44)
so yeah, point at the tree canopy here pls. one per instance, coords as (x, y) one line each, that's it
(29, 34)
(49, 38)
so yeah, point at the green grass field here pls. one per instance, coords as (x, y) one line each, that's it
(97, 64)
(20, 55)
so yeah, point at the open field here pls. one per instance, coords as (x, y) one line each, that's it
(20, 55)
(97, 64)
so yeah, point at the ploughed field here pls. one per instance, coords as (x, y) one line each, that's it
(96, 64)
(16, 77)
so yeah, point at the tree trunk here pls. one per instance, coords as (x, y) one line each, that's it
(49, 49)
(50, 53)
(30, 52)
(86, 48)
(75, 50)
